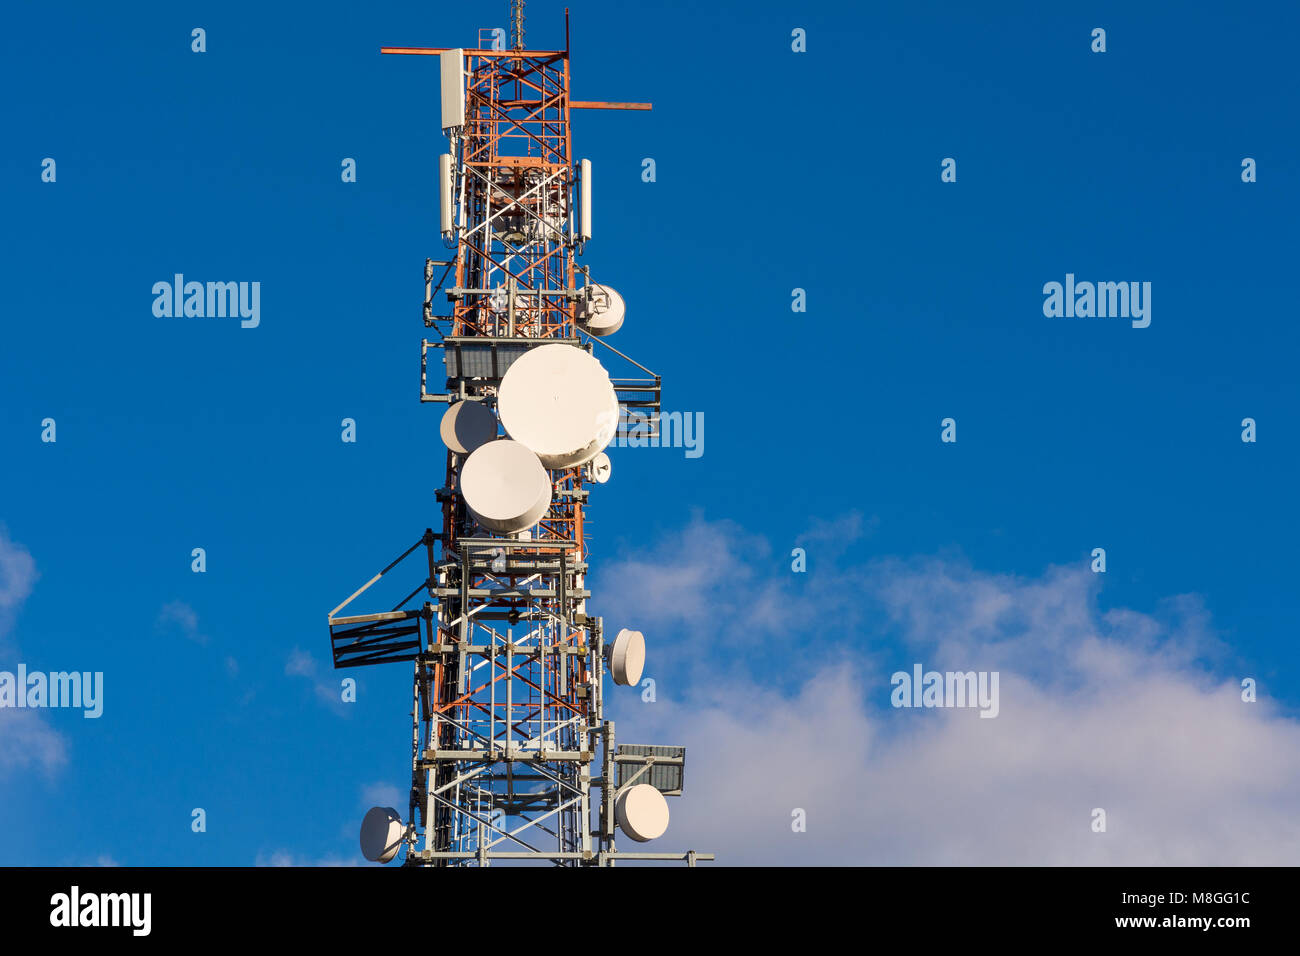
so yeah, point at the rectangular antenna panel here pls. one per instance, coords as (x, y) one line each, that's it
(445, 191)
(584, 199)
(666, 778)
(453, 88)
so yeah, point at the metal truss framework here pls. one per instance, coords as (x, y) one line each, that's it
(511, 753)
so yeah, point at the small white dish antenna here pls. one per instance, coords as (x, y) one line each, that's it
(642, 812)
(603, 313)
(627, 657)
(558, 401)
(600, 468)
(467, 425)
(505, 487)
(381, 834)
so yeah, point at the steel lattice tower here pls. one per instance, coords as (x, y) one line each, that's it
(512, 756)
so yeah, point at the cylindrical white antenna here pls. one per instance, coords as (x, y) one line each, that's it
(444, 191)
(584, 200)
(467, 426)
(601, 312)
(505, 487)
(627, 657)
(642, 812)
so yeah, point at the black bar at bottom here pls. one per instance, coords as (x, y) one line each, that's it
(929, 906)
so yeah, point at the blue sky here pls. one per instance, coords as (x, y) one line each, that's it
(775, 170)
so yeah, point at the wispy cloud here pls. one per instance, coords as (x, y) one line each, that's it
(27, 741)
(1135, 713)
(384, 795)
(286, 858)
(17, 577)
(302, 664)
(833, 536)
(17, 572)
(179, 617)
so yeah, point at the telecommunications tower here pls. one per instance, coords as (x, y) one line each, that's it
(512, 756)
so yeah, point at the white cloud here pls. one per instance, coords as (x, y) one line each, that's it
(17, 572)
(286, 858)
(302, 664)
(17, 577)
(27, 741)
(384, 795)
(1122, 710)
(181, 617)
(834, 536)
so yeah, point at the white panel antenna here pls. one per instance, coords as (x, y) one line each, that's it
(445, 203)
(584, 199)
(453, 88)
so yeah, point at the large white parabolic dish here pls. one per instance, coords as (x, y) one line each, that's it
(467, 425)
(642, 812)
(604, 314)
(627, 657)
(505, 487)
(558, 401)
(381, 834)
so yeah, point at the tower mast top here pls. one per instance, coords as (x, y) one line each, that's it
(517, 24)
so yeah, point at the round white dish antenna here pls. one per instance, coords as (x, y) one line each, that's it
(642, 812)
(627, 657)
(558, 401)
(381, 834)
(505, 487)
(467, 425)
(600, 468)
(603, 313)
